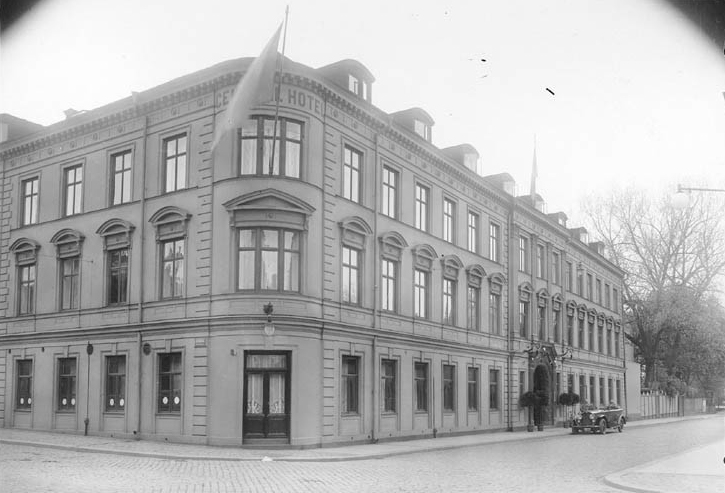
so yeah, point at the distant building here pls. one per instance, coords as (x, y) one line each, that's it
(367, 285)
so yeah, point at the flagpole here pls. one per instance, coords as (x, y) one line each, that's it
(277, 92)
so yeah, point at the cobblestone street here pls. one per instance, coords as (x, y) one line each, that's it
(556, 463)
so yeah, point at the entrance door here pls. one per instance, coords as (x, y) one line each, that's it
(541, 384)
(266, 396)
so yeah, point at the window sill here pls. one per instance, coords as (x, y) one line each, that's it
(65, 411)
(23, 410)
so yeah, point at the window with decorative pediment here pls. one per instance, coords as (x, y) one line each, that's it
(171, 225)
(353, 235)
(526, 292)
(451, 265)
(391, 252)
(68, 245)
(591, 318)
(26, 260)
(269, 226)
(556, 317)
(542, 300)
(116, 234)
(495, 291)
(475, 275)
(423, 256)
(258, 143)
(582, 316)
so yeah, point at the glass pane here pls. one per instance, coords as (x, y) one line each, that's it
(249, 128)
(246, 269)
(247, 238)
(170, 176)
(181, 172)
(266, 361)
(292, 270)
(269, 270)
(270, 238)
(171, 147)
(249, 156)
(292, 159)
(118, 189)
(294, 130)
(254, 393)
(276, 393)
(126, 186)
(78, 195)
(168, 250)
(182, 145)
(268, 155)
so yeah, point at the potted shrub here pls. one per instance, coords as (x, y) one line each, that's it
(528, 399)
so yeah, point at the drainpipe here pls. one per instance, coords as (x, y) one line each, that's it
(376, 293)
(511, 317)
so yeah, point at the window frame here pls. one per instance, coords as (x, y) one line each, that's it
(494, 315)
(27, 288)
(523, 254)
(556, 268)
(176, 368)
(540, 261)
(174, 261)
(173, 159)
(122, 272)
(448, 388)
(261, 145)
(113, 382)
(494, 403)
(349, 267)
(421, 387)
(352, 173)
(449, 220)
(449, 290)
(389, 284)
(472, 389)
(77, 189)
(33, 196)
(350, 386)
(387, 206)
(74, 278)
(422, 207)
(494, 241)
(126, 177)
(421, 293)
(24, 385)
(71, 377)
(259, 249)
(473, 220)
(389, 385)
(473, 307)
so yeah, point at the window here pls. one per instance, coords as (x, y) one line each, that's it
(115, 383)
(449, 388)
(542, 323)
(494, 313)
(421, 207)
(69, 283)
(472, 232)
(593, 389)
(599, 291)
(590, 287)
(422, 129)
(568, 276)
(421, 386)
(172, 269)
(523, 254)
(494, 238)
(583, 388)
(73, 190)
(570, 383)
(619, 391)
(609, 339)
(257, 143)
(541, 261)
(389, 389)
(351, 174)
(26, 289)
(607, 296)
(493, 378)
(29, 201)
(615, 300)
(581, 332)
(472, 389)
(556, 268)
(580, 281)
(449, 223)
(591, 336)
(570, 330)
(610, 391)
(350, 276)
(66, 384)
(616, 343)
(269, 259)
(175, 156)
(449, 302)
(600, 339)
(23, 384)
(169, 394)
(522, 383)
(420, 293)
(473, 305)
(350, 384)
(390, 192)
(117, 261)
(389, 290)
(121, 178)
(557, 326)
(353, 84)
(523, 318)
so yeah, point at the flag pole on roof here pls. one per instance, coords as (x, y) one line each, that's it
(255, 88)
(278, 87)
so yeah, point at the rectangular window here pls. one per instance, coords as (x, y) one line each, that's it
(421, 386)
(590, 287)
(542, 323)
(115, 383)
(619, 392)
(420, 293)
(117, 261)
(568, 273)
(583, 388)
(609, 340)
(615, 300)
(599, 291)
(257, 143)
(26, 289)
(73, 190)
(351, 174)
(601, 389)
(449, 302)
(449, 388)
(66, 384)
(350, 276)
(421, 207)
(523, 254)
(175, 157)
(523, 319)
(169, 394)
(591, 337)
(570, 383)
(24, 384)
(353, 84)
(389, 291)
(494, 245)
(121, 178)
(69, 283)
(522, 383)
(269, 259)
(592, 390)
(350, 384)
(600, 339)
(473, 303)
(580, 282)
(607, 296)
(449, 223)
(570, 330)
(616, 343)
(472, 389)
(610, 391)
(556, 268)
(557, 326)
(29, 201)
(493, 399)
(472, 232)
(389, 390)
(581, 333)
(172, 269)
(494, 313)
(540, 261)
(390, 192)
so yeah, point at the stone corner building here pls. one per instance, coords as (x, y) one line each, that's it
(364, 285)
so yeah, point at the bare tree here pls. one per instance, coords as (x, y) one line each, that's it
(671, 259)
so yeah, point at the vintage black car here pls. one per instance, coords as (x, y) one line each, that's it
(599, 419)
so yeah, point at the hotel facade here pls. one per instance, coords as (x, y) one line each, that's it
(362, 285)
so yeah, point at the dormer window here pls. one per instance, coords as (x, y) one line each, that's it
(422, 129)
(357, 86)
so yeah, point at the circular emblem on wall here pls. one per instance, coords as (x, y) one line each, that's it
(121, 402)
(111, 402)
(177, 400)
(165, 400)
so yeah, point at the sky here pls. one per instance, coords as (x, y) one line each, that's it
(637, 88)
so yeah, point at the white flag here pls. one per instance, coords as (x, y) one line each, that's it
(255, 88)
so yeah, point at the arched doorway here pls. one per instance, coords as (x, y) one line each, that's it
(542, 383)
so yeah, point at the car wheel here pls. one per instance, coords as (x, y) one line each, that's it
(602, 426)
(620, 426)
